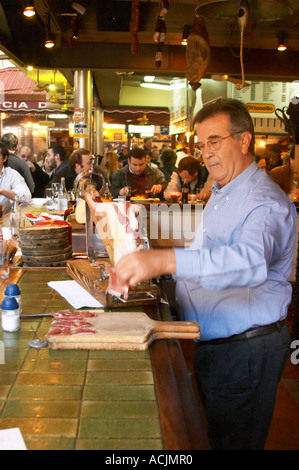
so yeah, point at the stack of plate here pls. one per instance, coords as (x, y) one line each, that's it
(45, 246)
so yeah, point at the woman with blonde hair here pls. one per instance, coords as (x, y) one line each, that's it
(109, 164)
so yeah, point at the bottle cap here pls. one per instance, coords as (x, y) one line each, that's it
(12, 289)
(9, 303)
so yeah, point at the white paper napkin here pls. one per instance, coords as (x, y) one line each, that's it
(11, 439)
(75, 294)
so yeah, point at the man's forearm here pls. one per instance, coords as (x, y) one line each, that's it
(8, 193)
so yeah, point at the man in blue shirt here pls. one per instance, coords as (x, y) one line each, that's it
(233, 280)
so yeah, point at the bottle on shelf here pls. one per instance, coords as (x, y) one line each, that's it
(15, 217)
(185, 192)
(62, 196)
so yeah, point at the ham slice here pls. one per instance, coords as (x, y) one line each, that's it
(70, 322)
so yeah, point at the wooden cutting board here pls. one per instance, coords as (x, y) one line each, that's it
(115, 330)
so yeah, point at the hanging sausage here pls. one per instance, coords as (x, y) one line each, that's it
(134, 25)
(160, 30)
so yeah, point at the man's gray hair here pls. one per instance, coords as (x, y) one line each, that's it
(10, 140)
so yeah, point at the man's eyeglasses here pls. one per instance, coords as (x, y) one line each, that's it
(215, 144)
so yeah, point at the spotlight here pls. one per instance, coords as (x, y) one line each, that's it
(29, 11)
(281, 45)
(50, 38)
(50, 41)
(185, 35)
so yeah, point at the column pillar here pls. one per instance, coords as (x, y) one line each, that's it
(98, 129)
(83, 100)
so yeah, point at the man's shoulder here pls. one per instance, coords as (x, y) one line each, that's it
(12, 173)
(65, 171)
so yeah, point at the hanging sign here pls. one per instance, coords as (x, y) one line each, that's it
(80, 130)
(79, 115)
(46, 123)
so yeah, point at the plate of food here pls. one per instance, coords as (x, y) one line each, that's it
(144, 199)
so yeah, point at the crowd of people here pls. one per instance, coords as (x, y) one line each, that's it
(233, 279)
(142, 169)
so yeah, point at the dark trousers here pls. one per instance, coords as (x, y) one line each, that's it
(237, 382)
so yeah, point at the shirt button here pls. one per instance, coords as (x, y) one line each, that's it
(216, 207)
(227, 198)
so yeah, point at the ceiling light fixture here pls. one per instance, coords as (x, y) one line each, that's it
(186, 32)
(281, 45)
(50, 38)
(149, 78)
(155, 86)
(29, 10)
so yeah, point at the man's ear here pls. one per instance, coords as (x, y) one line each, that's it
(245, 142)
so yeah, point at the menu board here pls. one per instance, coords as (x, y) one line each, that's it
(262, 98)
(178, 100)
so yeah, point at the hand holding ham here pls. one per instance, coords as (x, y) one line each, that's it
(144, 265)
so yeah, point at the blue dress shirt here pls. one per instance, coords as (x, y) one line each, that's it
(234, 276)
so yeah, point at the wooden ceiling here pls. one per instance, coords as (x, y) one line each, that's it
(96, 36)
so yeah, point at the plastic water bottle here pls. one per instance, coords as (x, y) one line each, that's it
(62, 197)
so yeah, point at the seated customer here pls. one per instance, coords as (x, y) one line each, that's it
(284, 175)
(40, 178)
(168, 159)
(109, 164)
(12, 184)
(139, 176)
(80, 160)
(192, 171)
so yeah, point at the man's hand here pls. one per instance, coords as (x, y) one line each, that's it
(144, 265)
(125, 191)
(156, 189)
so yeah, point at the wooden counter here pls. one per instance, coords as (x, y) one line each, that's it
(111, 400)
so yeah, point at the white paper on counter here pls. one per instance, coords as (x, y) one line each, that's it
(75, 294)
(12, 439)
(6, 233)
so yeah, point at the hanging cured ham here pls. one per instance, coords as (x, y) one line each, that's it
(197, 52)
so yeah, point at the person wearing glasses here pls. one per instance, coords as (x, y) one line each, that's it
(232, 280)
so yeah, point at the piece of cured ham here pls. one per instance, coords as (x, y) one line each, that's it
(117, 224)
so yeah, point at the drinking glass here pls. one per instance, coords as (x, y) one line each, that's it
(4, 260)
(198, 198)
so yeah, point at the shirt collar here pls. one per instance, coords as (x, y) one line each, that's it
(230, 187)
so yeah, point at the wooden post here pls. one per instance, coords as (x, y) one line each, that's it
(296, 163)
